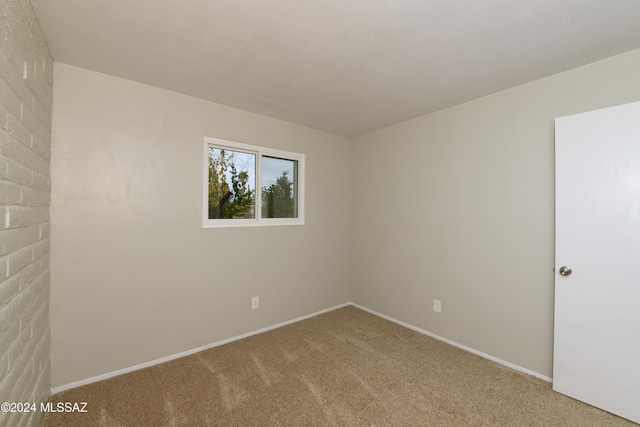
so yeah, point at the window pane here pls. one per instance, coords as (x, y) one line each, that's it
(279, 188)
(232, 184)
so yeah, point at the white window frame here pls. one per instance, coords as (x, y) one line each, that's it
(259, 153)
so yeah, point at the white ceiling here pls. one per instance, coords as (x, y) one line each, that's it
(344, 66)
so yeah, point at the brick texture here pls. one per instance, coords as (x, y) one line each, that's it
(26, 80)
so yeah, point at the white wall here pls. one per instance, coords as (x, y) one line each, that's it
(134, 276)
(26, 73)
(456, 205)
(459, 206)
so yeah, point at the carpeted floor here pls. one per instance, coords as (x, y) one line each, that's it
(343, 368)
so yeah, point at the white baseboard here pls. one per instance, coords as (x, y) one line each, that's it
(455, 344)
(80, 383)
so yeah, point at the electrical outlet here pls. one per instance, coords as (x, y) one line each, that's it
(255, 303)
(437, 306)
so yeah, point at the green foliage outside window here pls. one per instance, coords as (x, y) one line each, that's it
(277, 199)
(228, 200)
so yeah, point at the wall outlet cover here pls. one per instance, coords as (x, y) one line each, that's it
(437, 306)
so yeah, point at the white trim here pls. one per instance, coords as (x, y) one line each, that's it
(259, 152)
(455, 344)
(108, 375)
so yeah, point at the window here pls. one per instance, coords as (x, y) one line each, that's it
(247, 185)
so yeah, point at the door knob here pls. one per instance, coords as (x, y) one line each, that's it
(565, 271)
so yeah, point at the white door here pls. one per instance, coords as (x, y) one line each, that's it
(596, 356)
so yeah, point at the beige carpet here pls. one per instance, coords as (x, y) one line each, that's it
(343, 368)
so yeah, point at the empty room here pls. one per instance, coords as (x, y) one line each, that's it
(291, 213)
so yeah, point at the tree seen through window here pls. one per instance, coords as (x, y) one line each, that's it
(232, 185)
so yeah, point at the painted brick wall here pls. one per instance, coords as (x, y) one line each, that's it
(26, 78)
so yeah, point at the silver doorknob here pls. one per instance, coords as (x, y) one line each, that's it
(565, 271)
